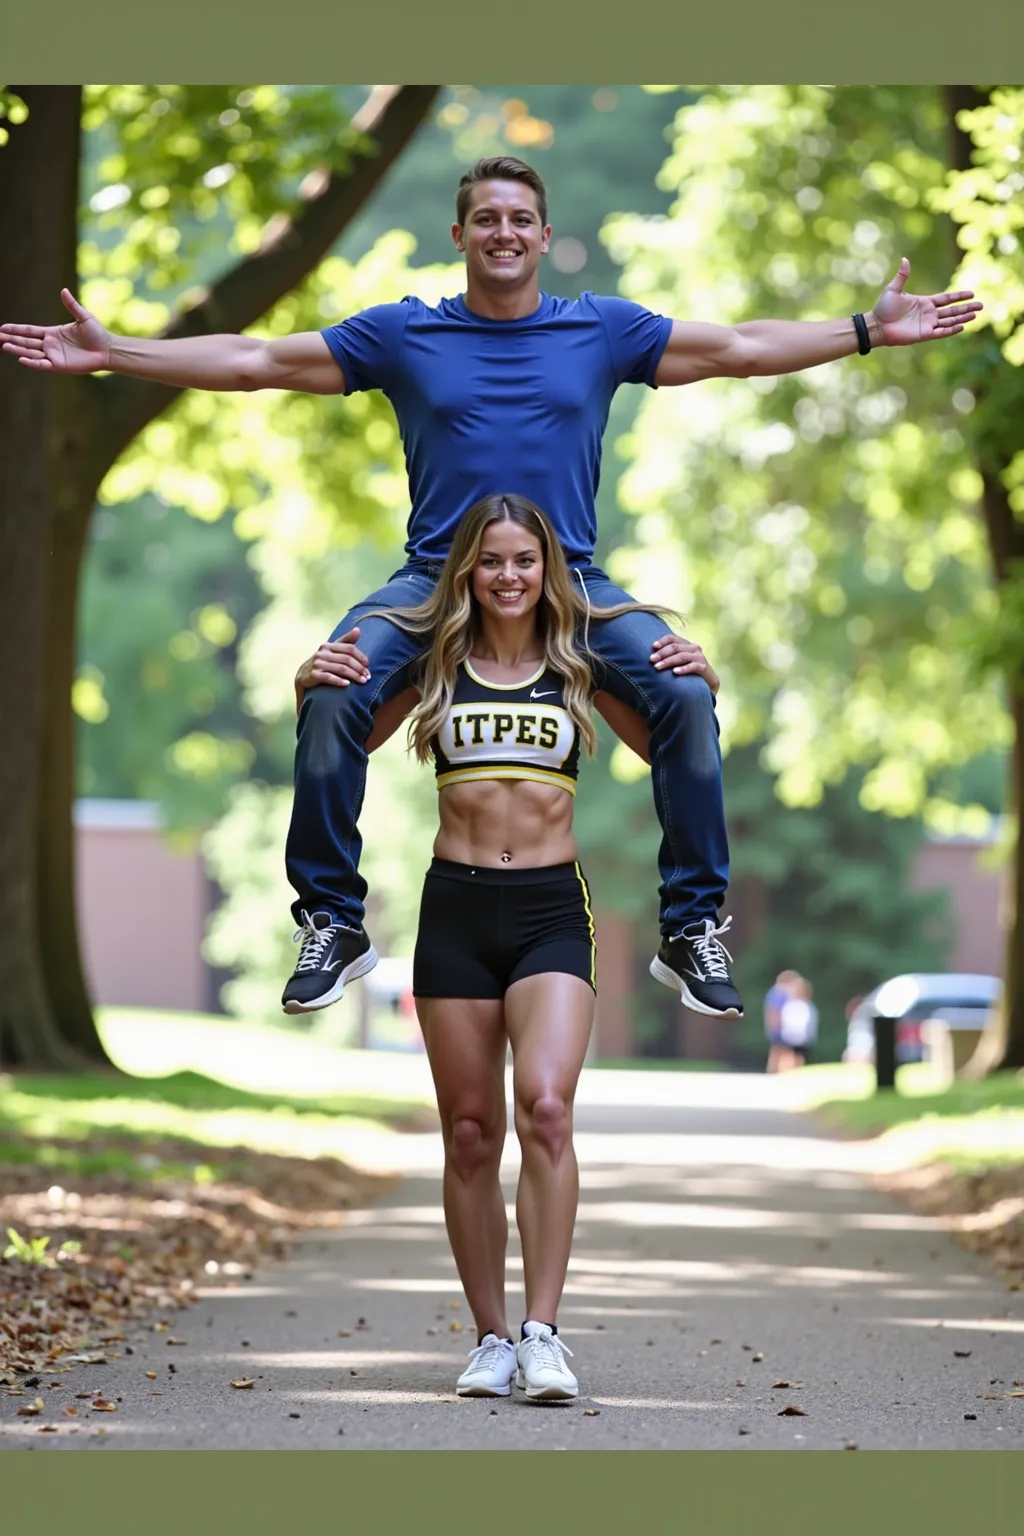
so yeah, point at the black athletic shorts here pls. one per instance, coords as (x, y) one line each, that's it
(483, 929)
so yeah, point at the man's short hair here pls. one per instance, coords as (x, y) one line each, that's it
(499, 168)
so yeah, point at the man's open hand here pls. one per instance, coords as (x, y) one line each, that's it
(81, 347)
(904, 318)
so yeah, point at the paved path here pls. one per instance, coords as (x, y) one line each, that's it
(723, 1246)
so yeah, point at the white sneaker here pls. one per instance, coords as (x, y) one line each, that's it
(492, 1365)
(543, 1372)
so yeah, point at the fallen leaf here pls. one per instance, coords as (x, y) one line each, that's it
(962, 1354)
(151, 1375)
(741, 1383)
(591, 1413)
(778, 1386)
(1015, 1394)
(435, 1331)
(757, 1358)
(243, 1382)
(47, 1429)
(454, 1326)
(85, 1394)
(102, 1406)
(177, 1341)
(32, 1409)
(791, 1411)
(71, 1413)
(850, 1445)
(455, 1305)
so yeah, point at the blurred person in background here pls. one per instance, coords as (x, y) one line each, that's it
(798, 1025)
(781, 991)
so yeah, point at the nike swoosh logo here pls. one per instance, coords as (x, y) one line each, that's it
(332, 966)
(697, 975)
(548, 693)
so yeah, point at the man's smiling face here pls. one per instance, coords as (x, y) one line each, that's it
(502, 237)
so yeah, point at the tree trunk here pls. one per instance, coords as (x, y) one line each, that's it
(1002, 1043)
(31, 272)
(56, 894)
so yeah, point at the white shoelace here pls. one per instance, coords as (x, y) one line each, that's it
(549, 1347)
(314, 942)
(483, 1356)
(710, 950)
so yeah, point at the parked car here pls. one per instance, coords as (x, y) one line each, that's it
(961, 1000)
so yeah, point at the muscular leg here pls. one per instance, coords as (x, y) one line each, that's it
(548, 1018)
(466, 1042)
(323, 848)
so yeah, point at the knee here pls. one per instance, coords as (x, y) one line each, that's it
(688, 696)
(470, 1145)
(329, 718)
(544, 1124)
(684, 708)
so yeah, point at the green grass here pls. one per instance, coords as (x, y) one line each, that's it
(656, 1064)
(207, 1084)
(1003, 1091)
(971, 1125)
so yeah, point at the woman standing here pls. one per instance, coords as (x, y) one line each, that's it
(505, 949)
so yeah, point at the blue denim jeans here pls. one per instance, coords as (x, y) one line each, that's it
(324, 845)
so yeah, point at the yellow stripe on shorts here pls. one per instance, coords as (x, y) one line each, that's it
(590, 923)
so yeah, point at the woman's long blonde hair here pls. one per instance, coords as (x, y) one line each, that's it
(451, 615)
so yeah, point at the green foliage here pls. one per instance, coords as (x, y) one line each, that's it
(13, 109)
(987, 205)
(181, 180)
(160, 718)
(32, 1250)
(829, 544)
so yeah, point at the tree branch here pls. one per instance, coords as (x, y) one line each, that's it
(289, 250)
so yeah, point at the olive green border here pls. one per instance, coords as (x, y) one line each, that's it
(304, 41)
(828, 1493)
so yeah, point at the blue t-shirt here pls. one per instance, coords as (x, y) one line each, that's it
(486, 406)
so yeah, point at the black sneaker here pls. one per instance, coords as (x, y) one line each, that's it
(331, 955)
(693, 962)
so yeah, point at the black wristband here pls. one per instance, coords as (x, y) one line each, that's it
(863, 339)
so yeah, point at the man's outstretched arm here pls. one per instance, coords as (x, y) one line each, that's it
(301, 362)
(696, 350)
